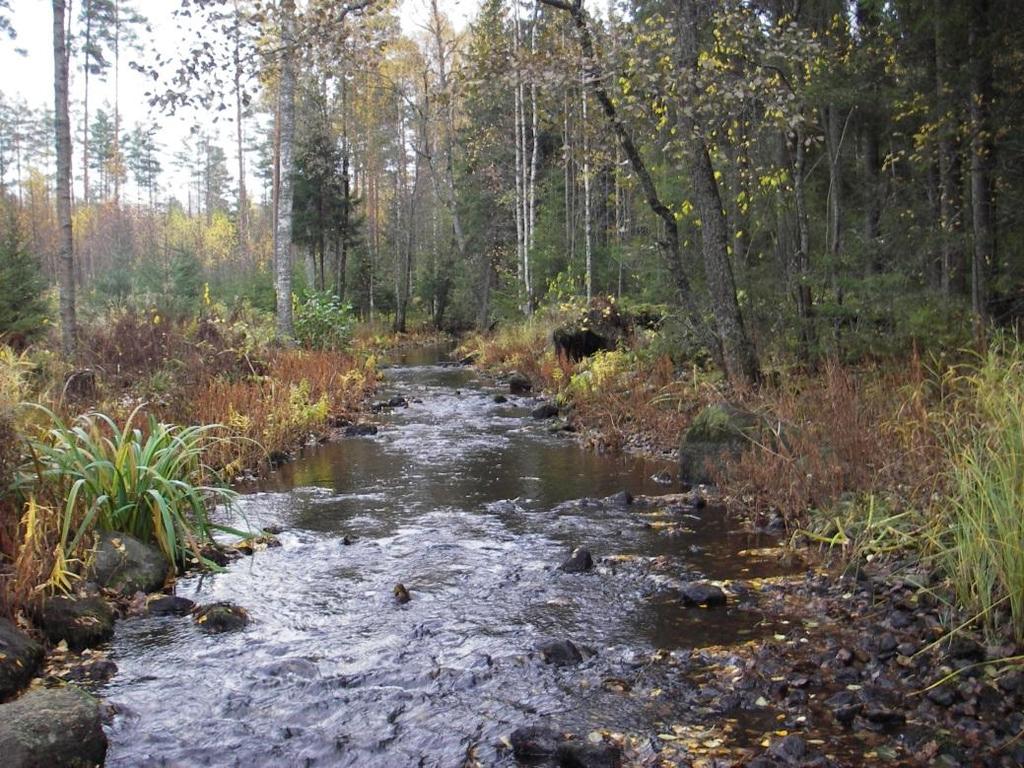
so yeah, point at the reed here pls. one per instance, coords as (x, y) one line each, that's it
(150, 483)
(979, 528)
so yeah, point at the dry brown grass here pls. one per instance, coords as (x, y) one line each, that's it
(302, 392)
(842, 431)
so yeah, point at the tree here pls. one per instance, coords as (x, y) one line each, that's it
(738, 355)
(66, 272)
(22, 308)
(285, 127)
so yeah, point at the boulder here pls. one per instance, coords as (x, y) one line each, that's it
(545, 411)
(51, 727)
(518, 384)
(360, 430)
(220, 617)
(125, 565)
(718, 433)
(704, 595)
(499, 399)
(82, 622)
(579, 561)
(534, 742)
(169, 605)
(577, 343)
(561, 653)
(20, 657)
(599, 328)
(620, 499)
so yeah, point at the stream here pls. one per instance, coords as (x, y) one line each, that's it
(472, 505)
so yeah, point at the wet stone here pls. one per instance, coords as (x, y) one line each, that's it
(93, 671)
(900, 619)
(221, 617)
(499, 399)
(518, 384)
(82, 622)
(218, 555)
(887, 644)
(574, 754)
(125, 565)
(169, 605)
(943, 696)
(534, 741)
(20, 657)
(360, 430)
(560, 653)
(703, 595)
(578, 562)
(844, 706)
(50, 727)
(545, 411)
(790, 749)
(401, 594)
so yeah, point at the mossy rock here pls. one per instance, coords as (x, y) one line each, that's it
(51, 727)
(719, 432)
(82, 622)
(220, 617)
(20, 657)
(124, 564)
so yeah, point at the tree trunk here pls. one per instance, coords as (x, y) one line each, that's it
(243, 198)
(286, 127)
(982, 158)
(85, 105)
(801, 258)
(62, 122)
(587, 234)
(873, 191)
(950, 219)
(738, 355)
(835, 134)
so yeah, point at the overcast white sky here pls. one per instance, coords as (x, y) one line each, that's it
(31, 76)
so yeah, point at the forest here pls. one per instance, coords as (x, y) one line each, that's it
(735, 286)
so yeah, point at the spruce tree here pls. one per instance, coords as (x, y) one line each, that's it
(22, 307)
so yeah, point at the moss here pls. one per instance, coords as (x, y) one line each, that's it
(723, 423)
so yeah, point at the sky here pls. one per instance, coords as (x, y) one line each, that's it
(30, 76)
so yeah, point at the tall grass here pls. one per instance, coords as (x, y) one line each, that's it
(980, 531)
(150, 483)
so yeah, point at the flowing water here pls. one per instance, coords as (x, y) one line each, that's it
(472, 505)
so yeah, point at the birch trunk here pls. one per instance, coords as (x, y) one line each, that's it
(587, 235)
(286, 126)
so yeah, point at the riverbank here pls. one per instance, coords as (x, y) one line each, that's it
(898, 472)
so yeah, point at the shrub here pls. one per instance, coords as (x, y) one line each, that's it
(322, 321)
(151, 484)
